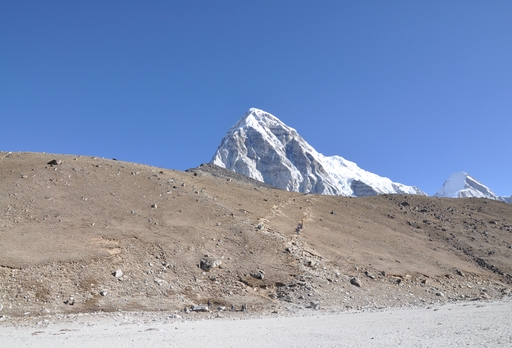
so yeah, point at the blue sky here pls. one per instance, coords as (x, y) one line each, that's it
(410, 90)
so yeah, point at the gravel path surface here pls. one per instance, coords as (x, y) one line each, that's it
(475, 324)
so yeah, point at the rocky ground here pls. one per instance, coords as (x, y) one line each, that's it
(87, 234)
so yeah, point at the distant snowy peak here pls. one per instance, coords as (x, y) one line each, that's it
(262, 147)
(462, 185)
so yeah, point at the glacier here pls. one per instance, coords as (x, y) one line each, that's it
(262, 147)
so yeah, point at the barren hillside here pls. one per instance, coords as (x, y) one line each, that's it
(210, 236)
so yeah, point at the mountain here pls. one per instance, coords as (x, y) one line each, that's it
(507, 199)
(262, 147)
(463, 185)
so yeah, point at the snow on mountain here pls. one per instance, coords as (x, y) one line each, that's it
(462, 185)
(262, 147)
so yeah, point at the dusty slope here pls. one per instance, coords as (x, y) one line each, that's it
(64, 230)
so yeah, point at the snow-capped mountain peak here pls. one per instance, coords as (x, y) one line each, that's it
(462, 185)
(256, 117)
(262, 147)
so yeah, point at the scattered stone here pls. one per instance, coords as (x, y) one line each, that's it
(440, 294)
(314, 305)
(118, 273)
(70, 301)
(460, 273)
(356, 282)
(369, 275)
(485, 296)
(206, 263)
(103, 293)
(54, 162)
(154, 206)
(258, 275)
(200, 308)
(1, 306)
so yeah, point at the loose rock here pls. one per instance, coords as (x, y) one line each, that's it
(356, 282)
(258, 275)
(206, 264)
(199, 309)
(369, 275)
(54, 162)
(314, 305)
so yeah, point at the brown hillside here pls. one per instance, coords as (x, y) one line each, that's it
(66, 228)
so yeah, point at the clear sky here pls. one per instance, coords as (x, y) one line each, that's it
(410, 90)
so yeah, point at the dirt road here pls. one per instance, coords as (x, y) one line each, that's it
(476, 324)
